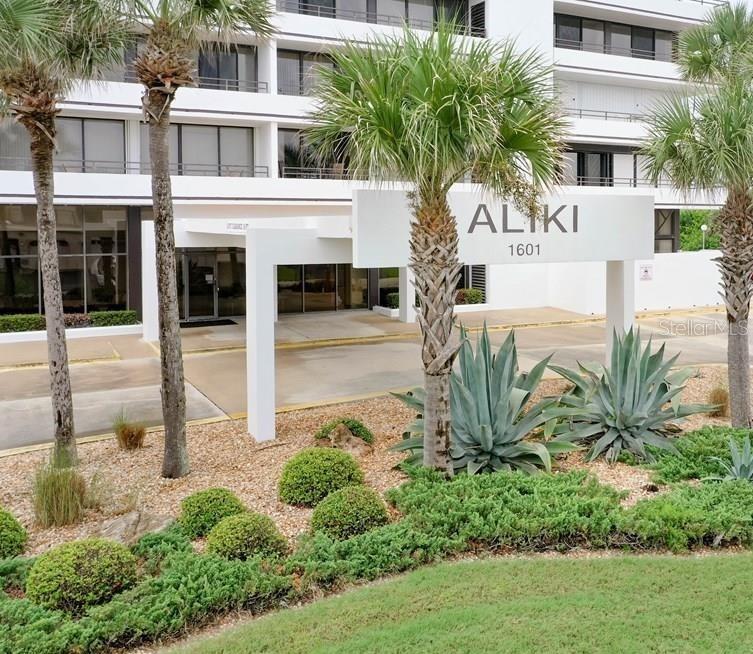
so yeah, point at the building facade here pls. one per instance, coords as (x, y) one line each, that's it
(239, 160)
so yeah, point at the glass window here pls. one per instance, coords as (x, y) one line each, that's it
(199, 150)
(593, 35)
(324, 8)
(72, 283)
(352, 287)
(351, 9)
(209, 69)
(618, 39)
(288, 72)
(643, 42)
(231, 283)
(567, 31)
(312, 66)
(69, 155)
(319, 284)
(19, 285)
(389, 282)
(289, 154)
(18, 230)
(421, 13)
(105, 230)
(247, 67)
(289, 289)
(70, 233)
(15, 148)
(664, 45)
(391, 11)
(104, 145)
(106, 282)
(236, 151)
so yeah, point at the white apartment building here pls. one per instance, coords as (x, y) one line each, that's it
(239, 161)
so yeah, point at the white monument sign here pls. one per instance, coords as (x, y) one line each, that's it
(573, 227)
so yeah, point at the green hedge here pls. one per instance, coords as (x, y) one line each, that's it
(469, 296)
(393, 300)
(29, 322)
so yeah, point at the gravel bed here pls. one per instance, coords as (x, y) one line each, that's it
(222, 454)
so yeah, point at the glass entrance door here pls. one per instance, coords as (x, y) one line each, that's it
(201, 284)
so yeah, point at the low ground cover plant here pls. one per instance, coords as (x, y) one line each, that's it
(314, 473)
(245, 535)
(13, 536)
(356, 427)
(349, 512)
(202, 510)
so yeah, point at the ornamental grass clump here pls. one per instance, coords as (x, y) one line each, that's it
(130, 435)
(245, 535)
(76, 575)
(349, 512)
(59, 493)
(202, 510)
(314, 473)
(624, 407)
(356, 427)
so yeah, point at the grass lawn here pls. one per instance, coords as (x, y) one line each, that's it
(622, 604)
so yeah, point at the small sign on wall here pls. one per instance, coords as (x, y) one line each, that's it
(646, 272)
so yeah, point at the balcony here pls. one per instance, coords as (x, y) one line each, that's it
(377, 18)
(337, 171)
(597, 114)
(635, 53)
(217, 83)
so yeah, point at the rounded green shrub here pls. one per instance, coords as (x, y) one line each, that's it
(12, 535)
(314, 473)
(349, 512)
(245, 535)
(76, 575)
(357, 428)
(204, 509)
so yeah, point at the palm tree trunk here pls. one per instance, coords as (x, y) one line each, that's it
(175, 461)
(735, 224)
(434, 261)
(57, 350)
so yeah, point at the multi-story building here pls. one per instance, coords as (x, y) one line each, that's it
(238, 156)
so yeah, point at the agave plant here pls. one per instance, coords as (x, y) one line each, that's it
(488, 400)
(741, 466)
(626, 406)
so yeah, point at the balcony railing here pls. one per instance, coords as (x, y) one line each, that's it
(138, 167)
(612, 50)
(310, 9)
(598, 114)
(629, 182)
(305, 172)
(218, 83)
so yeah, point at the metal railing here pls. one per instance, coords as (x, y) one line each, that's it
(309, 9)
(307, 172)
(138, 167)
(631, 182)
(603, 48)
(605, 115)
(217, 83)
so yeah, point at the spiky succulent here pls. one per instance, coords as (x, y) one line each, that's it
(741, 466)
(625, 406)
(490, 416)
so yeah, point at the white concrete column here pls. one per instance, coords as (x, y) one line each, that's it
(149, 306)
(407, 296)
(620, 299)
(133, 147)
(267, 57)
(260, 339)
(266, 148)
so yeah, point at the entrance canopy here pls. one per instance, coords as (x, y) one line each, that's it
(615, 228)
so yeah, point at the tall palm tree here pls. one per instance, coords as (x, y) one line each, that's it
(175, 30)
(705, 139)
(431, 111)
(46, 47)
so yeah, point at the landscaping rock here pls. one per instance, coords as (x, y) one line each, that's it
(128, 528)
(343, 439)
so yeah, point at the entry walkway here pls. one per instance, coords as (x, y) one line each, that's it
(320, 358)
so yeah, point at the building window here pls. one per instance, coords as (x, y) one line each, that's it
(84, 145)
(233, 69)
(207, 150)
(92, 254)
(595, 168)
(576, 33)
(321, 287)
(666, 230)
(298, 73)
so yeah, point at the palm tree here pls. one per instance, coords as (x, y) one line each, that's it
(431, 111)
(47, 46)
(705, 140)
(175, 30)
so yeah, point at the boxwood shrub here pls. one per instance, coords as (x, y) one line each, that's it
(112, 318)
(76, 575)
(12, 535)
(349, 512)
(356, 427)
(22, 322)
(469, 296)
(245, 535)
(314, 473)
(204, 509)
(393, 300)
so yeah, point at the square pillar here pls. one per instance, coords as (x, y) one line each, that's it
(149, 303)
(260, 338)
(620, 299)
(407, 291)
(265, 137)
